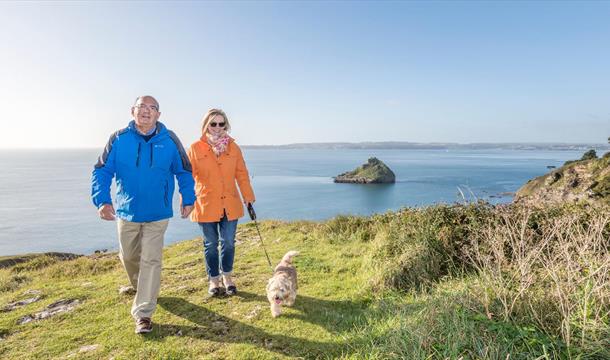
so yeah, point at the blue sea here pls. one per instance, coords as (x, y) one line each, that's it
(45, 194)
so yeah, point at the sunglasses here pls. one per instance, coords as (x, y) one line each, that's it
(222, 124)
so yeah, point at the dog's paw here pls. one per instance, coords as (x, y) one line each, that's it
(276, 310)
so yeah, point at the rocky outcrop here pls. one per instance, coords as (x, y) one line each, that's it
(576, 181)
(17, 304)
(55, 308)
(372, 172)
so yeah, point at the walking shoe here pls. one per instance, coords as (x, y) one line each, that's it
(127, 290)
(231, 290)
(229, 285)
(143, 325)
(215, 289)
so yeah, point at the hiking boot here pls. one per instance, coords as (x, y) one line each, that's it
(143, 325)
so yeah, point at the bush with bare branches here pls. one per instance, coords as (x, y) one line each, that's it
(550, 267)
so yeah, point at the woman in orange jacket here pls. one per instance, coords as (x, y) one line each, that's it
(218, 165)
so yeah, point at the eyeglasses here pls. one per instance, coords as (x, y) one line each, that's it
(222, 124)
(149, 107)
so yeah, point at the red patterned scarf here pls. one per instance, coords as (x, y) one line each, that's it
(218, 143)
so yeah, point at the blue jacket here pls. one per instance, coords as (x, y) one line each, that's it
(144, 174)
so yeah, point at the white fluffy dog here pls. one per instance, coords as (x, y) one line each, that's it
(282, 287)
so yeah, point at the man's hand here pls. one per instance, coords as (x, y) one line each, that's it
(106, 212)
(185, 211)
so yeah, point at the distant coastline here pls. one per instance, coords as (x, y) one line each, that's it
(390, 145)
(400, 145)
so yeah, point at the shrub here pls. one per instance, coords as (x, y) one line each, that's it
(548, 268)
(591, 154)
(10, 282)
(36, 263)
(417, 247)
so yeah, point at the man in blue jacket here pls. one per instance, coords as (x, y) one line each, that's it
(143, 158)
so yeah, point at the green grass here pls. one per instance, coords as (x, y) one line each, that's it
(329, 305)
(390, 286)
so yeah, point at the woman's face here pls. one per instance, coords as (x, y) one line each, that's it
(216, 125)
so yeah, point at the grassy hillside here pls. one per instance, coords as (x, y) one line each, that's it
(471, 282)
(576, 181)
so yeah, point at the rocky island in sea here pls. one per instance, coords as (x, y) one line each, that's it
(374, 171)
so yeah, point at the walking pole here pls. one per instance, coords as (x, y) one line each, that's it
(253, 218)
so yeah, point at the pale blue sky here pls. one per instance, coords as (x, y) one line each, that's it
(308, 71)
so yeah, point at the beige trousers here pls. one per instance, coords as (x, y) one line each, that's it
(140, 251)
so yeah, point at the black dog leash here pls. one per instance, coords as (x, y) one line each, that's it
(253, 218)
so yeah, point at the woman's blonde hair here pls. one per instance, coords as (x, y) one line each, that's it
(209, 115)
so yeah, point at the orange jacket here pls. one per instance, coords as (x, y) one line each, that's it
(215, 179)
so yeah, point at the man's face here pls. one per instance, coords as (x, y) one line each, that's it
(145, 112)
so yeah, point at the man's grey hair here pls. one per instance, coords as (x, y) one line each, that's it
(147, 96)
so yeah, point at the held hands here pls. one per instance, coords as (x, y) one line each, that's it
(185, 211)
(106, 212)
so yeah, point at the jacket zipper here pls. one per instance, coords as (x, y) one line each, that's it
(138, 157)
(165, 196)
(151, 155)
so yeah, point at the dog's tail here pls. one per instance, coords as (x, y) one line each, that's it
(288, 257)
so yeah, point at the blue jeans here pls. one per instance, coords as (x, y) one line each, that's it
(222, 231)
